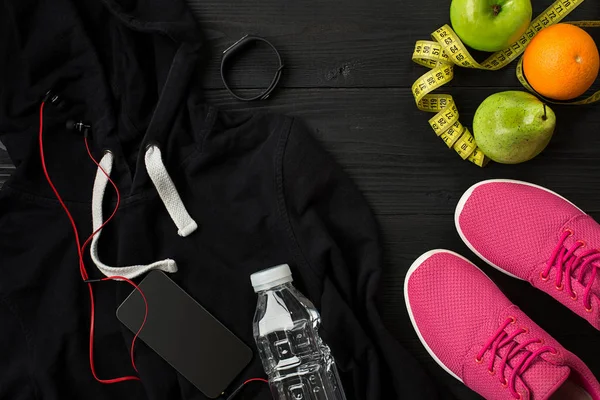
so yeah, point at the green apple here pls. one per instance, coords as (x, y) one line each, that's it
(490, 25)
(513, 127)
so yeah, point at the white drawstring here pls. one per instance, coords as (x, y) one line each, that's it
(170, 197)
(168, 193)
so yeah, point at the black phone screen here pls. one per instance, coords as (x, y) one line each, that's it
(183, 333)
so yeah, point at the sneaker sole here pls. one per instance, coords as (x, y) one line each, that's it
(465, 197)
(418, 262)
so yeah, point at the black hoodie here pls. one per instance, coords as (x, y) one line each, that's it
(261, 190)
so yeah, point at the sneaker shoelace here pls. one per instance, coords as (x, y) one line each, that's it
(566, 262)
(501, 339)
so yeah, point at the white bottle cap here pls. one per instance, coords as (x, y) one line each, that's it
(268, 278)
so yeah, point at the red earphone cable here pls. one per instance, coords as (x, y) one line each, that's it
(255, 380)
(237, 391)
(80, 253)
(137, 334)
(83, 271)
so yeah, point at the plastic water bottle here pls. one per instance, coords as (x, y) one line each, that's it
(286, 330)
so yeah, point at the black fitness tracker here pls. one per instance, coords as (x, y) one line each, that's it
(236, 47)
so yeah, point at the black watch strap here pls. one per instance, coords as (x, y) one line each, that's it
(235, 48)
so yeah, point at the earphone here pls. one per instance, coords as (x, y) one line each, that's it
(78, 126)
(54, 99)
(86, 130)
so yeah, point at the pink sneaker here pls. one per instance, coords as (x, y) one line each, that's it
(533, 234)
(478, 336)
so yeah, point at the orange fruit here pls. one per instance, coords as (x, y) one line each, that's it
(561, 62)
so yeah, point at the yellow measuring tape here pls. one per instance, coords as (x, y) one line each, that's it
(446, 51)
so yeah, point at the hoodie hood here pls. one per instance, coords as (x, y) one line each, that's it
(122, 67)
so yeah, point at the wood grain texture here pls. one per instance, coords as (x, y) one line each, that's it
(386, 144)
(347, 75)
(333, 43)
(6, 166)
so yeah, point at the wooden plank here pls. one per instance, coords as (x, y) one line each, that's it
(387, 146)
(6, 166)
(328, 43)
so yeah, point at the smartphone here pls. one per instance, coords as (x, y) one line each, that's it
(185, 335)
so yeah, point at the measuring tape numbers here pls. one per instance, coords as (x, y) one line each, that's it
(446, 51)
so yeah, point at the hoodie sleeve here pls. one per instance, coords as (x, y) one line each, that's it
(331, 222)
(338, 256)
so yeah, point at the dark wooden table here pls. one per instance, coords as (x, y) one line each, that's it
(348, 74)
